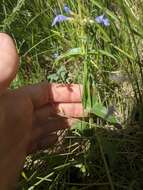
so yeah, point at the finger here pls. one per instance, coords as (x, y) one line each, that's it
(8, 61)
(52, 125)
(42, 143)
(74, 110)
(44, 93)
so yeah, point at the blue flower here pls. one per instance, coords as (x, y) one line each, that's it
(67, 9)
(102, 20)
(59, 18)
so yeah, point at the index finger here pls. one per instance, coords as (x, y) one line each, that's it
(45, 92)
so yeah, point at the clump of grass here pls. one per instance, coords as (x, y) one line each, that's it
(107, 60)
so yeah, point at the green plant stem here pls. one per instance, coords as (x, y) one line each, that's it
(105, 164)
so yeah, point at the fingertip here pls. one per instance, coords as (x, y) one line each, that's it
(65, 92)
(8, 60)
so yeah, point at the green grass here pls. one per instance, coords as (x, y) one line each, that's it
(108, 60)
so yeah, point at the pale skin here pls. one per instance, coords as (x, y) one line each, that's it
(29, 116)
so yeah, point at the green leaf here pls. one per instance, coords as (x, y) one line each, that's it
(122, 51)
(70, 53)
(107, 54)
(101, 111)
(80, 126)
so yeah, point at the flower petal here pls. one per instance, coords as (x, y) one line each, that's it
(59, 18)
(106, 22)
(67, 9)
(102, 20)
(99, 19)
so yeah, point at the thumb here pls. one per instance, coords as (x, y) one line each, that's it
(8, 61)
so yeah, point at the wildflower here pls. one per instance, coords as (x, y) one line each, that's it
(67, 9)
(59, 18)
(102, 20)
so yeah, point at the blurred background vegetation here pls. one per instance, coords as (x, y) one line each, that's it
(104, 151)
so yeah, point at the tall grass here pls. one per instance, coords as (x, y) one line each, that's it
(108, 62)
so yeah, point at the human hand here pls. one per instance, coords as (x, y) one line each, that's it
(29, 116)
